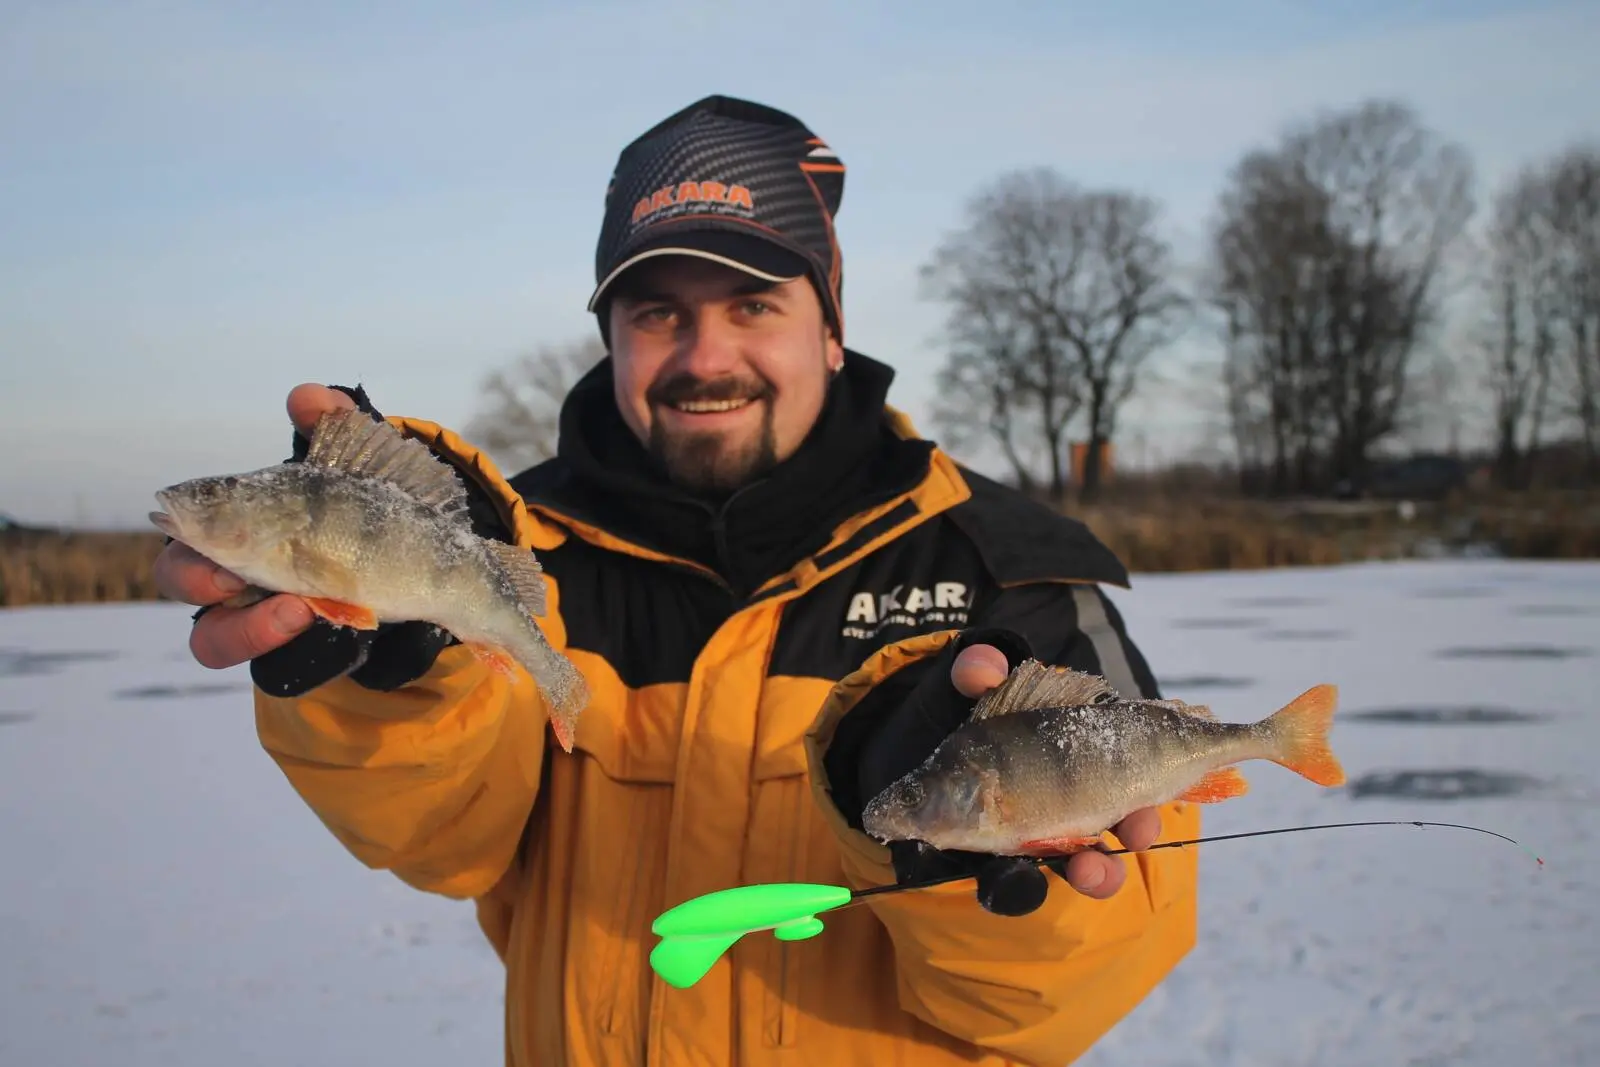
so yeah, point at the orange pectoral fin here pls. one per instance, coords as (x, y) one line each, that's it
(497, 659)
(1058, 846)
(342, 614)
(1224, 783)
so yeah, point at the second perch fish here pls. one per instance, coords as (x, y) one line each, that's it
(1052, 757)
(373, 527)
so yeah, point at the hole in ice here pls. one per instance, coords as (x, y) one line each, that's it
(1453, 592)
(15, 662)
(1304, 635)
(1203, 681)
(167, 692)
(1556, 611)
(1222, 623)
(1276, 601)
(1466, 783)
(1468, 715)
(1511, 652)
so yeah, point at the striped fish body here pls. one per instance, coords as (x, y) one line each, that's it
(1052, 758)
(373, 528)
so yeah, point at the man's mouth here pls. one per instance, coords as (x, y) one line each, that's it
(711, 407)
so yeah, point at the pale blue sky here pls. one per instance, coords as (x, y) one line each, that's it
(203, 204)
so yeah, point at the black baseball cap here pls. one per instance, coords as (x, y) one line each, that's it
(731, 181)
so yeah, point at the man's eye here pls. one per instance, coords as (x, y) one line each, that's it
(756, 307)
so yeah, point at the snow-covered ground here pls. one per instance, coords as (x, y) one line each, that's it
(165, 899)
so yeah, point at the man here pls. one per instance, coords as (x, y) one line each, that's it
(781, 599)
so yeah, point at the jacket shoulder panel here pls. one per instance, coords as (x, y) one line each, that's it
(1021, 540)
(648, 620)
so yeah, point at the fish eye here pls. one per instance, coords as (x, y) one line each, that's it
(230, 482)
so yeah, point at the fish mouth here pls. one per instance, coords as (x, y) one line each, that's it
(884, 822)
(162, 520)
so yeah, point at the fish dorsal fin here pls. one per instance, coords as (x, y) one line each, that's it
(354, 442)
(524, 572)
(1197, 711)
(1036, 685)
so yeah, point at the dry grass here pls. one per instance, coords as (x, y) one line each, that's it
(1151, 532)
(1175, 533)
(1210, 535)
(76, 568)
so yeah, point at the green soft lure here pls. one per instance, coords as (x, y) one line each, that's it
(696, 933)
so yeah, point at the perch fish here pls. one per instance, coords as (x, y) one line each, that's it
(372, 527)
(1051, 758)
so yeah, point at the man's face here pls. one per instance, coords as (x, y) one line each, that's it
(721, 375)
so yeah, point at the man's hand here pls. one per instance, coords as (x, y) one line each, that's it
(979, 668)
(227, 636)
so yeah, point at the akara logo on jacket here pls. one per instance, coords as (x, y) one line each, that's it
(683, 197)
(942, 604)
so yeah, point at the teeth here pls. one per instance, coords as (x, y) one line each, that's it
(700, 407)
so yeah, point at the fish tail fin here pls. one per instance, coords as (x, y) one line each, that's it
(1298, 733)
(565, 691)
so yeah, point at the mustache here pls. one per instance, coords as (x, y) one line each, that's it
(685, 387)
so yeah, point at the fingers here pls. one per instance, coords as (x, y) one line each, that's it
(1139, 830)
(224, 637)
(309, 402)
(185, 575)
(1094, 874)
(978, 669)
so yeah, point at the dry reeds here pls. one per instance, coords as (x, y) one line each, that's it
(77, 567)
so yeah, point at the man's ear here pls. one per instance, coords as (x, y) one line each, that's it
(835, 352)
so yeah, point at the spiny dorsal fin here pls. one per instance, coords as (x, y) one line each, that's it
(1198, 711)
(351, 441)
(1035, 685)
(525, 574)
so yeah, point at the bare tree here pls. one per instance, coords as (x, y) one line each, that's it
(1574, 178)
(1057, 297)
(1326, 268)
(1518, 340)
(981, 394)
(1541, 334)
(520, 422)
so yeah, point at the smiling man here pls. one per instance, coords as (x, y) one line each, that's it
(782, 599)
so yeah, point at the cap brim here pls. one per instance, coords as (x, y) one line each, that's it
(747, 252)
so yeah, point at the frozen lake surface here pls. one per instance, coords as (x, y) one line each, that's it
(167, 901)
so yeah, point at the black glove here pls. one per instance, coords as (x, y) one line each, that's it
(883, 744)
(384, 659)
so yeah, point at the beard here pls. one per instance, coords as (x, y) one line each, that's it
(712, 463)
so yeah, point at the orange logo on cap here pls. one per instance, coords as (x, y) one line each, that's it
(686, 195)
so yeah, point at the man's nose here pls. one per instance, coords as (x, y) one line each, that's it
(709, 348)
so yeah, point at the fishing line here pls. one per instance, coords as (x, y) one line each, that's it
(1037, 861)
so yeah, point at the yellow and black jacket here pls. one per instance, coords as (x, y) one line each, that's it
(715, 688)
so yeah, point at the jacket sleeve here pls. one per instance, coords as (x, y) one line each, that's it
(435, 780)
(1042, 987)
